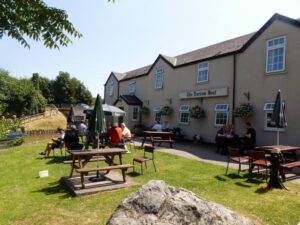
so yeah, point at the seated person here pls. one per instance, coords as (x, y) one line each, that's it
(157, 126)
(71, 139)
(220, 138)
(125, 132)
(115, 135)
(56, 143)
(250, 136)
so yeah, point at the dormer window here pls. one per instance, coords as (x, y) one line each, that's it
(275, 61)
(202, 75)
(159, 78)
(132, 88)
(111, 88)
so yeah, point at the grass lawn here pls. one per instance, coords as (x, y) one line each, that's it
(27, 199)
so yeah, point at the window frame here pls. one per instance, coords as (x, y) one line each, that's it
(157, 114)
(111, 88)
(201, 70)
(184, 111)
(267, 111)
(272, 48)
(221, 108)
(137, 114)
(158, 83)
(132, 85)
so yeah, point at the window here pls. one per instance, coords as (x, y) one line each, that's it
(111, 88)
(221, 114)
(136, 113)
(157, 110)
(268, 108)
(132, 88)
(184, 114)
(159, 78)
(275, 61)
(202, 72)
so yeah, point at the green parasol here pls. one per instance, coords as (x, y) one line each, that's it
(97, 126)
(97, 123)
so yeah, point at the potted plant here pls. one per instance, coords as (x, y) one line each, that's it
(166, 110)
(197, 112)
(145, 110)
(244, 110)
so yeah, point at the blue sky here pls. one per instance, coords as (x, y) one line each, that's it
(131, 33)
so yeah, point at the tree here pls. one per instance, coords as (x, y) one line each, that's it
(67, 90)
(45, 85)
(36, 20)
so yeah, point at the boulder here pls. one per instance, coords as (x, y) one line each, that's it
(160, 204)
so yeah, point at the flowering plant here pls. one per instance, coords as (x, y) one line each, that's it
(244, 110)
(166, 110)
(197, 112)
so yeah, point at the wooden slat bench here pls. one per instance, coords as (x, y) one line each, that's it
(290, 165)
(287, 166)
(159, 141)
(85, 171)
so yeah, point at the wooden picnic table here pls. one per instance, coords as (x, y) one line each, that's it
(285, 164)
(80, 158)
(283, 149)
(158, 137)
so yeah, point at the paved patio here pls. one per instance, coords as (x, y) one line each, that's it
(206, 152)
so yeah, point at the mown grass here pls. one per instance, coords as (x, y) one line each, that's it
(27, 199)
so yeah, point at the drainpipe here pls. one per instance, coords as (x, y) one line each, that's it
(233, 87)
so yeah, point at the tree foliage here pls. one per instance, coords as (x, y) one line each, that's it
(36, 20)
(29, 96)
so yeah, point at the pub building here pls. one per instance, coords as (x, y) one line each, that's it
(245, 70)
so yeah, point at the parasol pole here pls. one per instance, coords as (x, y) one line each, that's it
(277, 136)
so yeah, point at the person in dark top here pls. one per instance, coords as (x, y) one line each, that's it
(71, 139)
(250, 135)
(219, 139)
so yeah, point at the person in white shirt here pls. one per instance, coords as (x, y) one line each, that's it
(57, 143)
(82, 129)
(125, 131)
(157, 126)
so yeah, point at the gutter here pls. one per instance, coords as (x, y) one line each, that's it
(233, 88)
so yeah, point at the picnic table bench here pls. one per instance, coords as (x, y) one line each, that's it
(80, 158)
(84, 171)
(158, 137)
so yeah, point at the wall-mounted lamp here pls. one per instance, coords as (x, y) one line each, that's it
(169, 100)
(247, 95)
(147, 101)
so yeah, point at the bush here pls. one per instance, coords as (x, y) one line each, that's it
(16, 142)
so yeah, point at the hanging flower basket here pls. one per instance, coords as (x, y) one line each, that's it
(145, 110)
(197, 112)
(166, 111)
(244, 110)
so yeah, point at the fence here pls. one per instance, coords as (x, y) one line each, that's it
(49, 112)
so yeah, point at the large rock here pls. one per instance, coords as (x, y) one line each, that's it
(160, 204)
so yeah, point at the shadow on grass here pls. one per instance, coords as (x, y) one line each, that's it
(134, 174)
(55, 188)
(243, 185)
(219, 178)
(55, 160)
(262, 190)
(233, 176)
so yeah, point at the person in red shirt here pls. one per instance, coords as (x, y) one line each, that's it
(115, 134)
